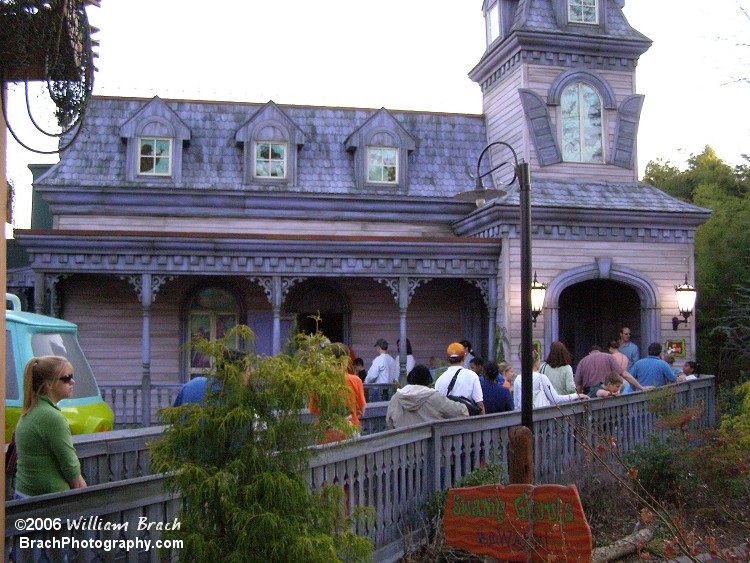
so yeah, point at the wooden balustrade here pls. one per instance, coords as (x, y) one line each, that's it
(125, 400)
(393, 472)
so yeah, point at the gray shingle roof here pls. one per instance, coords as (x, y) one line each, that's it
(538, 15)
(447, 148)
(447, 144)
(623, 196)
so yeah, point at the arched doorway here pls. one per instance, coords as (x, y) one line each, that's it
(327, 300)
(593, 311)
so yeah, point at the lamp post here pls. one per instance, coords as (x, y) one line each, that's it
(480, 194)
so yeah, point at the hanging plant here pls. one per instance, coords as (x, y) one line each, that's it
(49, 41)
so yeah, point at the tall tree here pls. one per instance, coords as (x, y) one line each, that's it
(722, 245)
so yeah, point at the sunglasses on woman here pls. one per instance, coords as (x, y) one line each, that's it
(66, 378)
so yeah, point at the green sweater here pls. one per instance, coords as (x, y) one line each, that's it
(47, 460)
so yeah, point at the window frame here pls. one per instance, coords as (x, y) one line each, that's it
(493, 14)
(382, 166)
(270, 160)
(581, 3)
(169, 157)
(579, 86)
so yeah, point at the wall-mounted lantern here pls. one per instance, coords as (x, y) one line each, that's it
(686, 295)
(538, 291)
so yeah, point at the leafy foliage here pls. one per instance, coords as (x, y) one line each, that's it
(722, 251)
(238, 459)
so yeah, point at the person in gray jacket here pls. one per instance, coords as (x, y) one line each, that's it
(417, 402)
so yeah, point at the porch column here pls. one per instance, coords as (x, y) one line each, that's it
(276, 289)
(146, 298)
(403, 305)
(276, 308)
(146, 287)
(39, 289)
(492, 313)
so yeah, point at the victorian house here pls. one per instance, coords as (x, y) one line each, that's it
(170, 218)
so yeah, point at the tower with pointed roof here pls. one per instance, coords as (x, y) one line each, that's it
(558, 84)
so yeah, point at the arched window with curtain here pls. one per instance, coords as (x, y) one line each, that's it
(581, 116)
(212, 313)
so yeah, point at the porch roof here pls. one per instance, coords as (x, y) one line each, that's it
(72, 251)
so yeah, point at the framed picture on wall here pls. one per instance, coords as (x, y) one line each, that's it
(676, 347)
(536, 346)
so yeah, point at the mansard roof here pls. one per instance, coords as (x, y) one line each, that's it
(446, 146)
(610, 196)
(539, 15)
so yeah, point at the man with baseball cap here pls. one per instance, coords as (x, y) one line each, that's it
(467, 383)
(384, 368)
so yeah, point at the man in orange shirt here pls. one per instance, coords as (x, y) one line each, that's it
(355, 396)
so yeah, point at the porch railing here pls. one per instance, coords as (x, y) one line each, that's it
(125, 400)
(392, 472)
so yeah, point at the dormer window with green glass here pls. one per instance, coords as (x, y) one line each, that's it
(382, 165)
(270, 160)
(583, 11)
(155, 157)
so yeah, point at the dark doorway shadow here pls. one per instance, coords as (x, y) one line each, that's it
(593, 311)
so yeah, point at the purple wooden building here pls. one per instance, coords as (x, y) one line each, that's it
(169, 218)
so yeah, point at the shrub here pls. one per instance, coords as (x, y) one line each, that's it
(237, 460)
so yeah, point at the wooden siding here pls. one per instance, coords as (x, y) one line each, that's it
(504, 114)
(665, 264)
(540, 78)
(249, 226)
(506, 121)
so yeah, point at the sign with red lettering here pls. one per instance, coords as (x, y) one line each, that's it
(518, 521)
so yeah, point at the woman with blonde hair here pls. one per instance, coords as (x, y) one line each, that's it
(506, 371)
(47, 460)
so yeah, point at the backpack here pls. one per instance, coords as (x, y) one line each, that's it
(471, 406)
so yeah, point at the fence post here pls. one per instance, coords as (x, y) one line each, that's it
(433, 460)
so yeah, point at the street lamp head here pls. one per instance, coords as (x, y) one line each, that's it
(538, 292)
(686, 295)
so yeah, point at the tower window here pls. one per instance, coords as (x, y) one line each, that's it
(583, 11)
(493, 23)
(581, 112)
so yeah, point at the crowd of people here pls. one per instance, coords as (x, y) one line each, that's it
(486, 387)
(47, 460)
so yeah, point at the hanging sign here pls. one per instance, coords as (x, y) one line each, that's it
(518, 522)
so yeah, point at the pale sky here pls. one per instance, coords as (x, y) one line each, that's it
(398, 54)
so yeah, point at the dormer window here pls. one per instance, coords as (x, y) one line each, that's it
(380, 150)
(271, 142)
(583, 11)
(270, 160)
(581, 116)
(382, 165)
(155, 137)
(155, 157)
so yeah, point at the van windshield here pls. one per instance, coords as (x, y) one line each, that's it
(65, 344)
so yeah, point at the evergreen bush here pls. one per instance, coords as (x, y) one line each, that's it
(238, 459)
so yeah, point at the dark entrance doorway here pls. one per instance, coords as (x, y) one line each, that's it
(592, 312)
(330, 324)
(324, 299)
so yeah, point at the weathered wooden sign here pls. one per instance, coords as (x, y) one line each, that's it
(519, 522)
